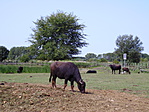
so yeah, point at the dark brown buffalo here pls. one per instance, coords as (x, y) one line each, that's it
(126, 69)
(91, 71)
(115, 67)
(20, 69)
(68, 71)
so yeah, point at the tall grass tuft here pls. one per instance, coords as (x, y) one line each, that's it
(37, 69)
(26, 69)
(8, 69)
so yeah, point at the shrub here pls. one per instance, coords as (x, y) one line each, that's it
(103, 60)
(116, 61)
(82, 64)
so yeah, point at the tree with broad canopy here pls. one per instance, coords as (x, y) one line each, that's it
(132, 47)
(57, 37)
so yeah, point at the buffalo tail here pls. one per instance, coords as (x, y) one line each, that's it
(50, 77)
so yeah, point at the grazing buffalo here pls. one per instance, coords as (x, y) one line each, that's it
(126, 69)
(115, 67)
(91, 71)
(68, 71)
(20, 69)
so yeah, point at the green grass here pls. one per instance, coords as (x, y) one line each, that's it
(25, 78)
(26, 69)
(134, 83)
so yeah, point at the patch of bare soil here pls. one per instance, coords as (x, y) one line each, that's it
(16, 97)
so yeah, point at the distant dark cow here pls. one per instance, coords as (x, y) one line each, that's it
(68, 71)
(20, 69)
(91, 71)
(126, 69)
(115, 67)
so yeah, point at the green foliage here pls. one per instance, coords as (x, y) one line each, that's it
(57, 37)
(90, 56)
(25, 58)
(132, 47)
(3, 53)
(100, 56)
(145, 57)
(92, 59)
(8, 69)
(17, 52)
(144, 60)
(26, 69)
(37, 69)
(116, 61)
(134, 57)
(103, 60)
(110, 56)
(82, 64)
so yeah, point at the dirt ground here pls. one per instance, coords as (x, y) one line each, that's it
(24, 97)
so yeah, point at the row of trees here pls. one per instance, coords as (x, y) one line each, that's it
(15, 53)
(113, 57)
(60, 36)
(23, 54)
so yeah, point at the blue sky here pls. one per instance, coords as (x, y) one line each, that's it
(105, 20)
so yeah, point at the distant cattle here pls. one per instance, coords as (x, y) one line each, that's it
(115, 67)
(126, 69)
(91, 71)
(68, 71)
(20, 69)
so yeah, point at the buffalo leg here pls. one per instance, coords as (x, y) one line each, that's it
(65, 84)
(113, 71)
(119, 71)
(72, 86)
(54, 82)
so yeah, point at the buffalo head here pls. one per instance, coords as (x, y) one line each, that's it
(81, 86)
